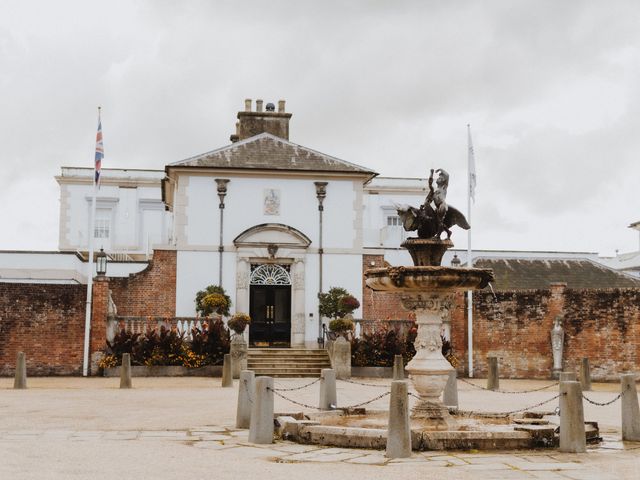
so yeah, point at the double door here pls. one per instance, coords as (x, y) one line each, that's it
(270, 311)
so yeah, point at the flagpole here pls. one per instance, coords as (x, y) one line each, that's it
(87, 316)
(469, 259)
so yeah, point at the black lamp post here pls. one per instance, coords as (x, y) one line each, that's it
(101, 263)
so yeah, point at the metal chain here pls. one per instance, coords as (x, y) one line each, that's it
(296, 388)
(539, 404)
(300, 404)
(509, 391)
(593, 402)
(382, 395)
(362, 383)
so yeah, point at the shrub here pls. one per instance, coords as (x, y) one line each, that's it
(212, 304)
(340, 325)
(337, 303)
(212, 342)
(168, 347)
(239, 322)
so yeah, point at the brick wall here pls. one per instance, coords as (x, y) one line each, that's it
(44, 321)
(151, 292)
(380, 305)
(601, 324)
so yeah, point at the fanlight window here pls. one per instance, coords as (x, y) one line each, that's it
(270, 274)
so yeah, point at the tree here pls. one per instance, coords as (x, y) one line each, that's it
(337, 303)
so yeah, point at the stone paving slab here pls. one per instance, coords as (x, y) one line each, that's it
(53, 430)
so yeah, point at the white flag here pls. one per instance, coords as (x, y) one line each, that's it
(472, 169)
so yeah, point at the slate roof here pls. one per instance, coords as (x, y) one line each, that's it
(525, 274)
(268, 152)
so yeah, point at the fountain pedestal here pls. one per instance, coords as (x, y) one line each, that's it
(429, 370)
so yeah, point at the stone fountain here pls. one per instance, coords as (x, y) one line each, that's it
(427, 288)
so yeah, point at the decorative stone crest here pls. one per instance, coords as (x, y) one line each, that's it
(442, 303)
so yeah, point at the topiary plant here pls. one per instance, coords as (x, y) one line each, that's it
(219, 303)
(337, 303)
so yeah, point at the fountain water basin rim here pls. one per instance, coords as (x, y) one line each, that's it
(427, 279)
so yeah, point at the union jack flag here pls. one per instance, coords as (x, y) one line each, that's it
(99, 151)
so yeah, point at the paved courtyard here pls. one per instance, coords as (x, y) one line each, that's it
(76, 428)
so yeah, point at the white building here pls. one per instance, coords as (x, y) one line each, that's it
(130, 216)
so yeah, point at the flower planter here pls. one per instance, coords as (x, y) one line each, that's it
(167, 371)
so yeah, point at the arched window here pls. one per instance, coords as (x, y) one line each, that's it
(270, 274)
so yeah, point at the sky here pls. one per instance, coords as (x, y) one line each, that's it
(549, 88)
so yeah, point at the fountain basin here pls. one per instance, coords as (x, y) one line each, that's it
(368, 429)
(427, 279)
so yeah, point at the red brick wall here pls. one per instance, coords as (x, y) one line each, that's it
(380, 305)
(44, 321)
(603, 325)
(151, 292)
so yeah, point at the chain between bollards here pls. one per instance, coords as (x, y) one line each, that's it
(300, 404)
(603, 404)
(296, 388)
(362, 383)
(509, 391)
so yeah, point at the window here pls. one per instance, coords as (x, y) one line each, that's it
(393, 221)
(102, 228)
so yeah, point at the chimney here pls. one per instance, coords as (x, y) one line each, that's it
(261, 121)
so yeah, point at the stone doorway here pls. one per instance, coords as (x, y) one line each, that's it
(270, 306)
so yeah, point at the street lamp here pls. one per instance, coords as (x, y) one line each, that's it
(101, 263)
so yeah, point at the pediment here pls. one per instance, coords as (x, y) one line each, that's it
(272, 234)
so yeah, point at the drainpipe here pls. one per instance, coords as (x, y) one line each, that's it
(222, 192)
(321, 193)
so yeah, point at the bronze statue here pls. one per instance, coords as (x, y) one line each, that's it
(434, 216)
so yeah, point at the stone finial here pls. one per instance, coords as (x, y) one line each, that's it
(259, 105)
(280, 106)
(247, 105)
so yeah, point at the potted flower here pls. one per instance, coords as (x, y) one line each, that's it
(212, 300)
(238, 322)
(342, 326)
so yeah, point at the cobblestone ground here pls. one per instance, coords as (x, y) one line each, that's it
(72, 428)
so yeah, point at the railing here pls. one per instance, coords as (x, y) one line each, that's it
(401, 326)
(142, 325)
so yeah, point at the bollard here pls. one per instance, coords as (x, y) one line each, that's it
(572, 432)
(450, 395)
(630, 409)
(20, 380)
(398, 431)
(227, 371)
(125, 371)
(585, 375)
(398, 367)
(261, 424)
(246, 394)
(567, 377)
(328, 396)
(493, 380)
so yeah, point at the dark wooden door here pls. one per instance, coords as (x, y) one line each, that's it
(270, 311)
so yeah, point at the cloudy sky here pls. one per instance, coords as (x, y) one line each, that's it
(550, 89)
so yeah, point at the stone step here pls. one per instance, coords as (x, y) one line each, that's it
(287, 362)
